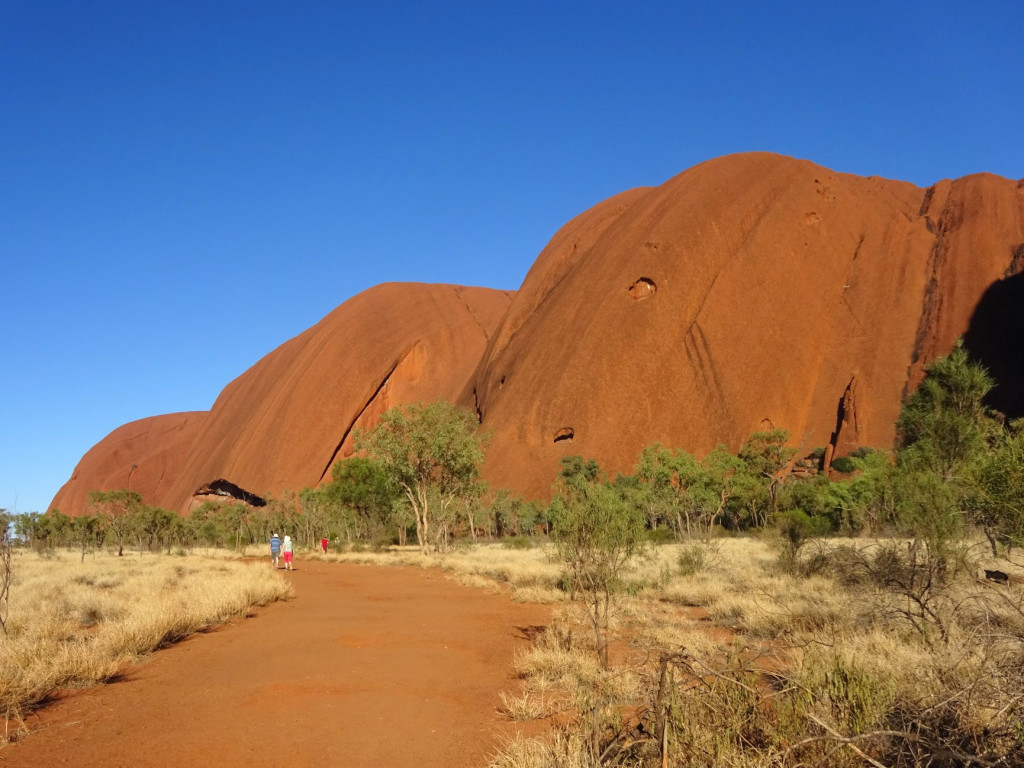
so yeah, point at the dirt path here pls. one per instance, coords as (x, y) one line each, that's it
(367, 666)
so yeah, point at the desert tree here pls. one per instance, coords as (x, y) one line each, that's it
(361, 497)
(433, 453)
(118, 508)
(597, 532)
(6, 567)
(995, 490)
(946, 435)
(87, 531)
(762, 459)
(945, 424)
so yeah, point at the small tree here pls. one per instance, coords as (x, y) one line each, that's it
(119, 508)
(87, 531)
(762, 457)
(6, 569)
(432, 452)
(995, 499)
(945, 425)
(361, 496)
(946, 432)
(60, 527)
(596, 534)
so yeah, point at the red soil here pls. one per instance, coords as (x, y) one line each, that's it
(366, 666)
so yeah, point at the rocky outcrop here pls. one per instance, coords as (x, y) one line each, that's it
(143, 456)
(748, 292)
(286, 420)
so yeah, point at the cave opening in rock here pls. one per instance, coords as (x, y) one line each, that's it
(226, 488)
(643, 288)
(565, 433)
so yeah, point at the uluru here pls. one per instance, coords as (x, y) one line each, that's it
(751, 291)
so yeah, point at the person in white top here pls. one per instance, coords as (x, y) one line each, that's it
(287, 549)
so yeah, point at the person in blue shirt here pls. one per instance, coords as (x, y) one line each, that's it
(275, 548)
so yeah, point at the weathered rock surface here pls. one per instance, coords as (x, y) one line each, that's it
(283, 422)
(157, 447)
(750, 291)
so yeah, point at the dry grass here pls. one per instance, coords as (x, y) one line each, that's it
(531, 574)
(75, 624)
(786, 670)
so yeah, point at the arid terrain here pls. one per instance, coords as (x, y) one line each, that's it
(365, 666)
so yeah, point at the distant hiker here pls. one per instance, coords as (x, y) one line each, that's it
(288, 553)
(275, 548)
(323, 544)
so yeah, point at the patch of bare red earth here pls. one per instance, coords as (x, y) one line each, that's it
(366, 666)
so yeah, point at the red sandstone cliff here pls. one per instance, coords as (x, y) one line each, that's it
(749, 291)
(283, 422)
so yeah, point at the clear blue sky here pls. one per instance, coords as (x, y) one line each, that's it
(185, 185)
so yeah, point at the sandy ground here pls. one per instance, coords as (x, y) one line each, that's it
(366, 666)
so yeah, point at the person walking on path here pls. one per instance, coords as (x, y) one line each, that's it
(288, 553)
(275, 548)
(323, 544)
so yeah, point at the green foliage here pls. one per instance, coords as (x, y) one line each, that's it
(844, 464)
(944, 465)
(995, 490)
(433, 453)
(762, 459)
(361, 497)
(513, 515)
(945, 424)
(695, 557)
(596, 533)
(677, 489)
(117, 507)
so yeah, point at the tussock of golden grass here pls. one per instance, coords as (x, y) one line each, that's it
(814, 660)
(529, 705)
(531, 573)
(477, 582)
(565, 749)
(74, 623)
(540, 595)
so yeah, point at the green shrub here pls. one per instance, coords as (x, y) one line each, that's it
(694, 558)
(844, 464)
(660, 536)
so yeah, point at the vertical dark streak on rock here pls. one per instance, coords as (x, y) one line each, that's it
(458, 295)
(698, 353)
(926, 201)
(931, 305)
(362, 410)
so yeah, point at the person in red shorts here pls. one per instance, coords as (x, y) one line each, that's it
(287, 549)
(323, 544)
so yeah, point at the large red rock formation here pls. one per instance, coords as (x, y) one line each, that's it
(747, 292)
(142, 456)
(750, 291)
(283, 422)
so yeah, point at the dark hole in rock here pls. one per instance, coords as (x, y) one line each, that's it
(224, 487)
(502, 382)
(565, 433)
(643, 288)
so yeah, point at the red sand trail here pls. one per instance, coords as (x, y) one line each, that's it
(366, 666)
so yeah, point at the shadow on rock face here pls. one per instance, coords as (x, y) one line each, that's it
(995, 338)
